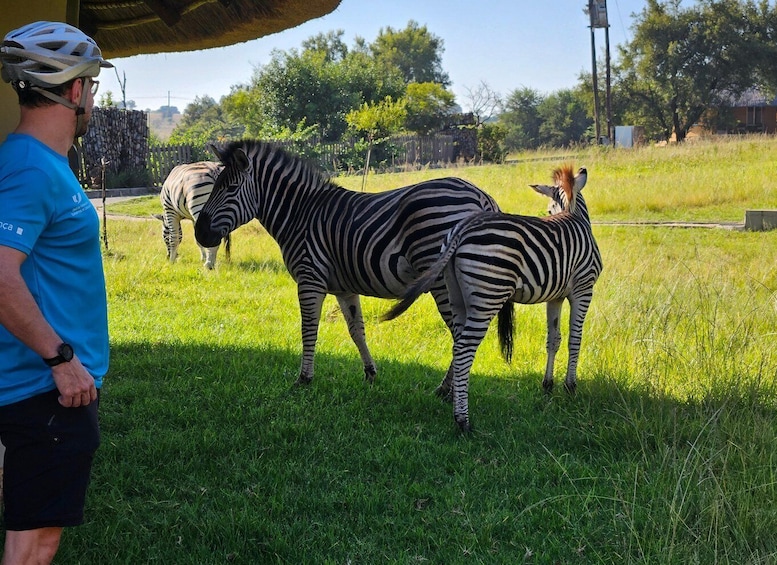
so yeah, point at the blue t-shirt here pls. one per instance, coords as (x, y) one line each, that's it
(45, 213)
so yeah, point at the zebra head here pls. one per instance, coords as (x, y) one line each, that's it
(234, 199)
(565, 192)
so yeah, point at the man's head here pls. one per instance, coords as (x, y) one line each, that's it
(44, 61)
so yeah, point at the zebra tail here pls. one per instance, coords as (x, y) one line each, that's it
(505, 329)
(427, 279)
(228, 246)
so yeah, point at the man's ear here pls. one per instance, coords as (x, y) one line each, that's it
(76, 89)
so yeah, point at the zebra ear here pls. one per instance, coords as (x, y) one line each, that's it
(580, 179)
(544, 189)
(216, 150)
(240, 159)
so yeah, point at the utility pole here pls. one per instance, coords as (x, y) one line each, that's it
(597, 12)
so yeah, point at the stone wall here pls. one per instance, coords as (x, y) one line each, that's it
(118, 136)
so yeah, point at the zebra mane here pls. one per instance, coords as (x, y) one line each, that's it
(564, 178)
(289, 159)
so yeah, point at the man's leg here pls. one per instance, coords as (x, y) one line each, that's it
(31, 547)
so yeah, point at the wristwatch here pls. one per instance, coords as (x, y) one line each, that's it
(64, 355)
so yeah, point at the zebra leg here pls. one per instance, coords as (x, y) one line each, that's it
(310, 301)
(440, 294)
(466, 345)
(173, 235)
(578, 306)
(553, 311)
(350, 305)
(208, 256)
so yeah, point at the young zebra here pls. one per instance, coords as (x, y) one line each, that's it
(492, 260)
(184, 193)
(333, 240)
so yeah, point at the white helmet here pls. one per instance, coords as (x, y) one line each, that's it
(48, 54)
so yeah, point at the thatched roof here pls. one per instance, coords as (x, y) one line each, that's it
(130, 27)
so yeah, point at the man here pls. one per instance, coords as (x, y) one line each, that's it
(53, 307)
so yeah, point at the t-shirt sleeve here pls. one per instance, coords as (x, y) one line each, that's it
(25, 208)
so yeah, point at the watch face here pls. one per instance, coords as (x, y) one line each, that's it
(65, 351)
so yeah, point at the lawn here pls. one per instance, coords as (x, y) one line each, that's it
(665, 455)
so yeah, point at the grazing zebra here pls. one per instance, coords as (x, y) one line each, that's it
(333, 240)
(492, 260)
(184, 193)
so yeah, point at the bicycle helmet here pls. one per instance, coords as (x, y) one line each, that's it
(49, 54)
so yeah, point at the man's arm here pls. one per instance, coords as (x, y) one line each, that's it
(20, 315)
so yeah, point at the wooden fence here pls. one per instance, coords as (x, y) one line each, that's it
(407, 150)
(162, 159)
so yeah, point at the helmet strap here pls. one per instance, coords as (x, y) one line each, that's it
(79, 108)
(54, 97)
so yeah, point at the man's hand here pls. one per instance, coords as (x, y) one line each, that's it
(75, 384)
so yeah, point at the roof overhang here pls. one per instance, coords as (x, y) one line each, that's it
(130, 27)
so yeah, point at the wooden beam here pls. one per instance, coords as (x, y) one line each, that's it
(167, 14)
(72, 12)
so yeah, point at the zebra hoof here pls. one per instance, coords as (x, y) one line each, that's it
(444, 393)
(369, 374)
(303, 380)
(464, 425)
(547, 386)
(570, 387)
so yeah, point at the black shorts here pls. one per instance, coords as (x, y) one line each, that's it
(48, 460)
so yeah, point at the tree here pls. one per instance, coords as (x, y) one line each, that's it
(414, 51)
(330, 43)
(564, 118)
(376, 121)
(203, 122)
(683, 61)
(429, 106)
(763, 20)
(310, 86)
(521, 119)
(482, 101)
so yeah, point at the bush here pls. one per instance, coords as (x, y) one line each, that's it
(491, 143)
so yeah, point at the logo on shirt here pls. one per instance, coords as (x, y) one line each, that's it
(8, 226)
(77, 198)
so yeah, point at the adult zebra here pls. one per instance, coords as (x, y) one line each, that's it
(333, 240)
(183, 194)
(492, 260)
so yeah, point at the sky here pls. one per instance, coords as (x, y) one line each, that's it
(506, 44)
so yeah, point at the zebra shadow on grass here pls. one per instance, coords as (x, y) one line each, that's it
(606, 410)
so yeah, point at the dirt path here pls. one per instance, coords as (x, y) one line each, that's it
(708, 225)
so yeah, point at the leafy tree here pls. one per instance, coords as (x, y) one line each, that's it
(415, 51)
(521, 119)
(429, 106)
(330, 43)
(204, 121)
(378, 120)
(491, 146)
(564, 118)
(375, 122)
(106, 100)
(762, 18)
(682, 61)
(310, 86)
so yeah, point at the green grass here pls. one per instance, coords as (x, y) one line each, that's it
(665, 455)
(703, 181)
